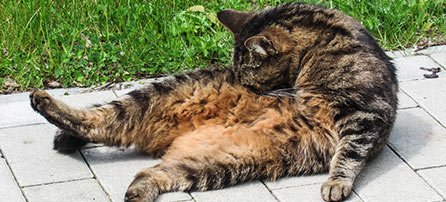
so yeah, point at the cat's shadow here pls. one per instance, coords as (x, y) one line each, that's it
(98, 154)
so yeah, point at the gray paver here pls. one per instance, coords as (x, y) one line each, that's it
(437, 178)
(430, 94)
(297, 181)
(418, 138)
(75, 191)
(9, 190)
(120, 93)
(115, 169)
(133, 85)
(88, 99)
(253, 191)
(18, 113)
(388, 178)
(400, 53)
(19, 97)
(408, 68)
(306, 193)
(29, 152)
(404, 101)
(440, 58)
(433, 49)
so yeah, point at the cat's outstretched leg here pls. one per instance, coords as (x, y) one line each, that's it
(206, 161)
(149, 118)
(363, 136)
(78, 126)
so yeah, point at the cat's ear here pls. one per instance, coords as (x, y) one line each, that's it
(234, 20)
(271, 41)
(260, 46)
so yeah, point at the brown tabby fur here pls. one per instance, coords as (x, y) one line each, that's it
(309, 91)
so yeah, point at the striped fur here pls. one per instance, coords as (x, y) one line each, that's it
(309, 91)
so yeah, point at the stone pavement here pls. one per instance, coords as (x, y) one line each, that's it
(411, 168)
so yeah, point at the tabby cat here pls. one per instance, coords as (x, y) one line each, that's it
(309, 91)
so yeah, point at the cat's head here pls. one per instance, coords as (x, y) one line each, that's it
(263, 50)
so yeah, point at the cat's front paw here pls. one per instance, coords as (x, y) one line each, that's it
(336, 190)
(142, 189)
(40, 100)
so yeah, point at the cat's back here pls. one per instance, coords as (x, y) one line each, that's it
(341, 56)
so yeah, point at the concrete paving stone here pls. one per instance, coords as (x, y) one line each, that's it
(388, 178)
(435, 177)
(67, 91)
(440, 58)
(17, 114)
(74, 191)
(400, 53)
(29, 152)
(120, 93)
(127, 87)
(408, 68)
(24, 96)
(253, 191)
(88, 99)
(404, 101)
(115, 169)
(173, 197)
(9, 190)
(17, 97)
(306, 193)
(297, 181)
(430, 94)
(433, 50)
(20, 112)
(418, 139)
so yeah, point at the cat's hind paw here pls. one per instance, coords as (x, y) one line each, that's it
(336, 190)
(142, 189)
(40, 100)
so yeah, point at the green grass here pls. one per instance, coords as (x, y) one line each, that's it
(92, 42)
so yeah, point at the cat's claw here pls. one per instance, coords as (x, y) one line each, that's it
(336, 190)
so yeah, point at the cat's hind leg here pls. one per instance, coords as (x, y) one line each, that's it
(208, 160)
(78, 126)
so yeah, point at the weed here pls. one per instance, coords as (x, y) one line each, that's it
(85, 43)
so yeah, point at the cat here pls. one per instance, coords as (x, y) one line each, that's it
(309, 91)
